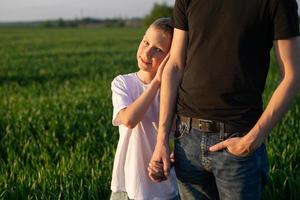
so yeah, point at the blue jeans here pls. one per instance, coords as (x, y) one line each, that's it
(203, 174)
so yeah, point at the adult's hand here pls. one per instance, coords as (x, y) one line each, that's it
(239, 146)
(159, 166)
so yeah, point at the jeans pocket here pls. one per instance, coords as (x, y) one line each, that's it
(226, 150)
(236, 156)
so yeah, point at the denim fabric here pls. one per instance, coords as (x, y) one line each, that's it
(203, 174)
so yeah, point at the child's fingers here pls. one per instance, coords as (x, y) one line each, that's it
(172, 157)
(156, 172)
(172, 161)
(165, 60)
(156, 177)
(163, 63)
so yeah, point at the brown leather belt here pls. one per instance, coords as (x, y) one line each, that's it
(211, 126)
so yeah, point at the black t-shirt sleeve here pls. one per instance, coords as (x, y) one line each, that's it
(285, 19)
(179, 19)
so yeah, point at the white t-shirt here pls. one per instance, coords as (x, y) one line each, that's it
(135, 146)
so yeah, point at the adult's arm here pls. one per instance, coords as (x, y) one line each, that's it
(288, 58)
(171, 79)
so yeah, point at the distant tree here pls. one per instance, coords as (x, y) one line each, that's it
(158, 10)
(47, 24)
(61, 23)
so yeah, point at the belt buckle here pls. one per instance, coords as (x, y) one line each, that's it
(203, 125)
(207, 126)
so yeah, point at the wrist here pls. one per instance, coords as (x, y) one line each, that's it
(257, 133)
(254, 138)
(162, 139)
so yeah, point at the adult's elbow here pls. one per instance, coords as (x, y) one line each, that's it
(292, 79)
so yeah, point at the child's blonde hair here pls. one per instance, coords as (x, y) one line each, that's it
(164, 24)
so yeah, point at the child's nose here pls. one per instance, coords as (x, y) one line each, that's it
(148, 53)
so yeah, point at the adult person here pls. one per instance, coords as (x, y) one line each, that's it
(214, 80)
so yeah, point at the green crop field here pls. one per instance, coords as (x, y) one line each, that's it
(56, 137)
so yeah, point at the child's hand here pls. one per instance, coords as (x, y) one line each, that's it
(172, 158)
(161, 68)
(156, 171)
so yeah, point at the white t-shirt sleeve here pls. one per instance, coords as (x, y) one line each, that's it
(120, 98)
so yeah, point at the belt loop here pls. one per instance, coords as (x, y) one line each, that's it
(189, 123)
(222, 130)
(222, 127)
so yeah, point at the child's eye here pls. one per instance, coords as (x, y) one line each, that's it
(158, 50)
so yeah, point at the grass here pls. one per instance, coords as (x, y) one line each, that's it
(56, 137)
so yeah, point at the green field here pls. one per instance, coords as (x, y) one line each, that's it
(56, 137)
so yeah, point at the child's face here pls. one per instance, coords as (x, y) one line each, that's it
(152, 50)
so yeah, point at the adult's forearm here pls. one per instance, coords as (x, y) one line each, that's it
(289, 64)
(170, 82)
(171, 79)
(278, 105)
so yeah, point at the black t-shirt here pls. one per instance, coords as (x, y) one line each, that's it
(228, 55)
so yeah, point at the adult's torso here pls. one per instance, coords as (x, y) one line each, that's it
(227, 58)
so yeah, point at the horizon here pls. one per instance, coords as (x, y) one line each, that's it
(55, 19)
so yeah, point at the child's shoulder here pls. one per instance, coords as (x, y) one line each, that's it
(124, 78)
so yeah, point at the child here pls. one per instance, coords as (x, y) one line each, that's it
(136, 109)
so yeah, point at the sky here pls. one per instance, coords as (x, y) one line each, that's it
(31, 10)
